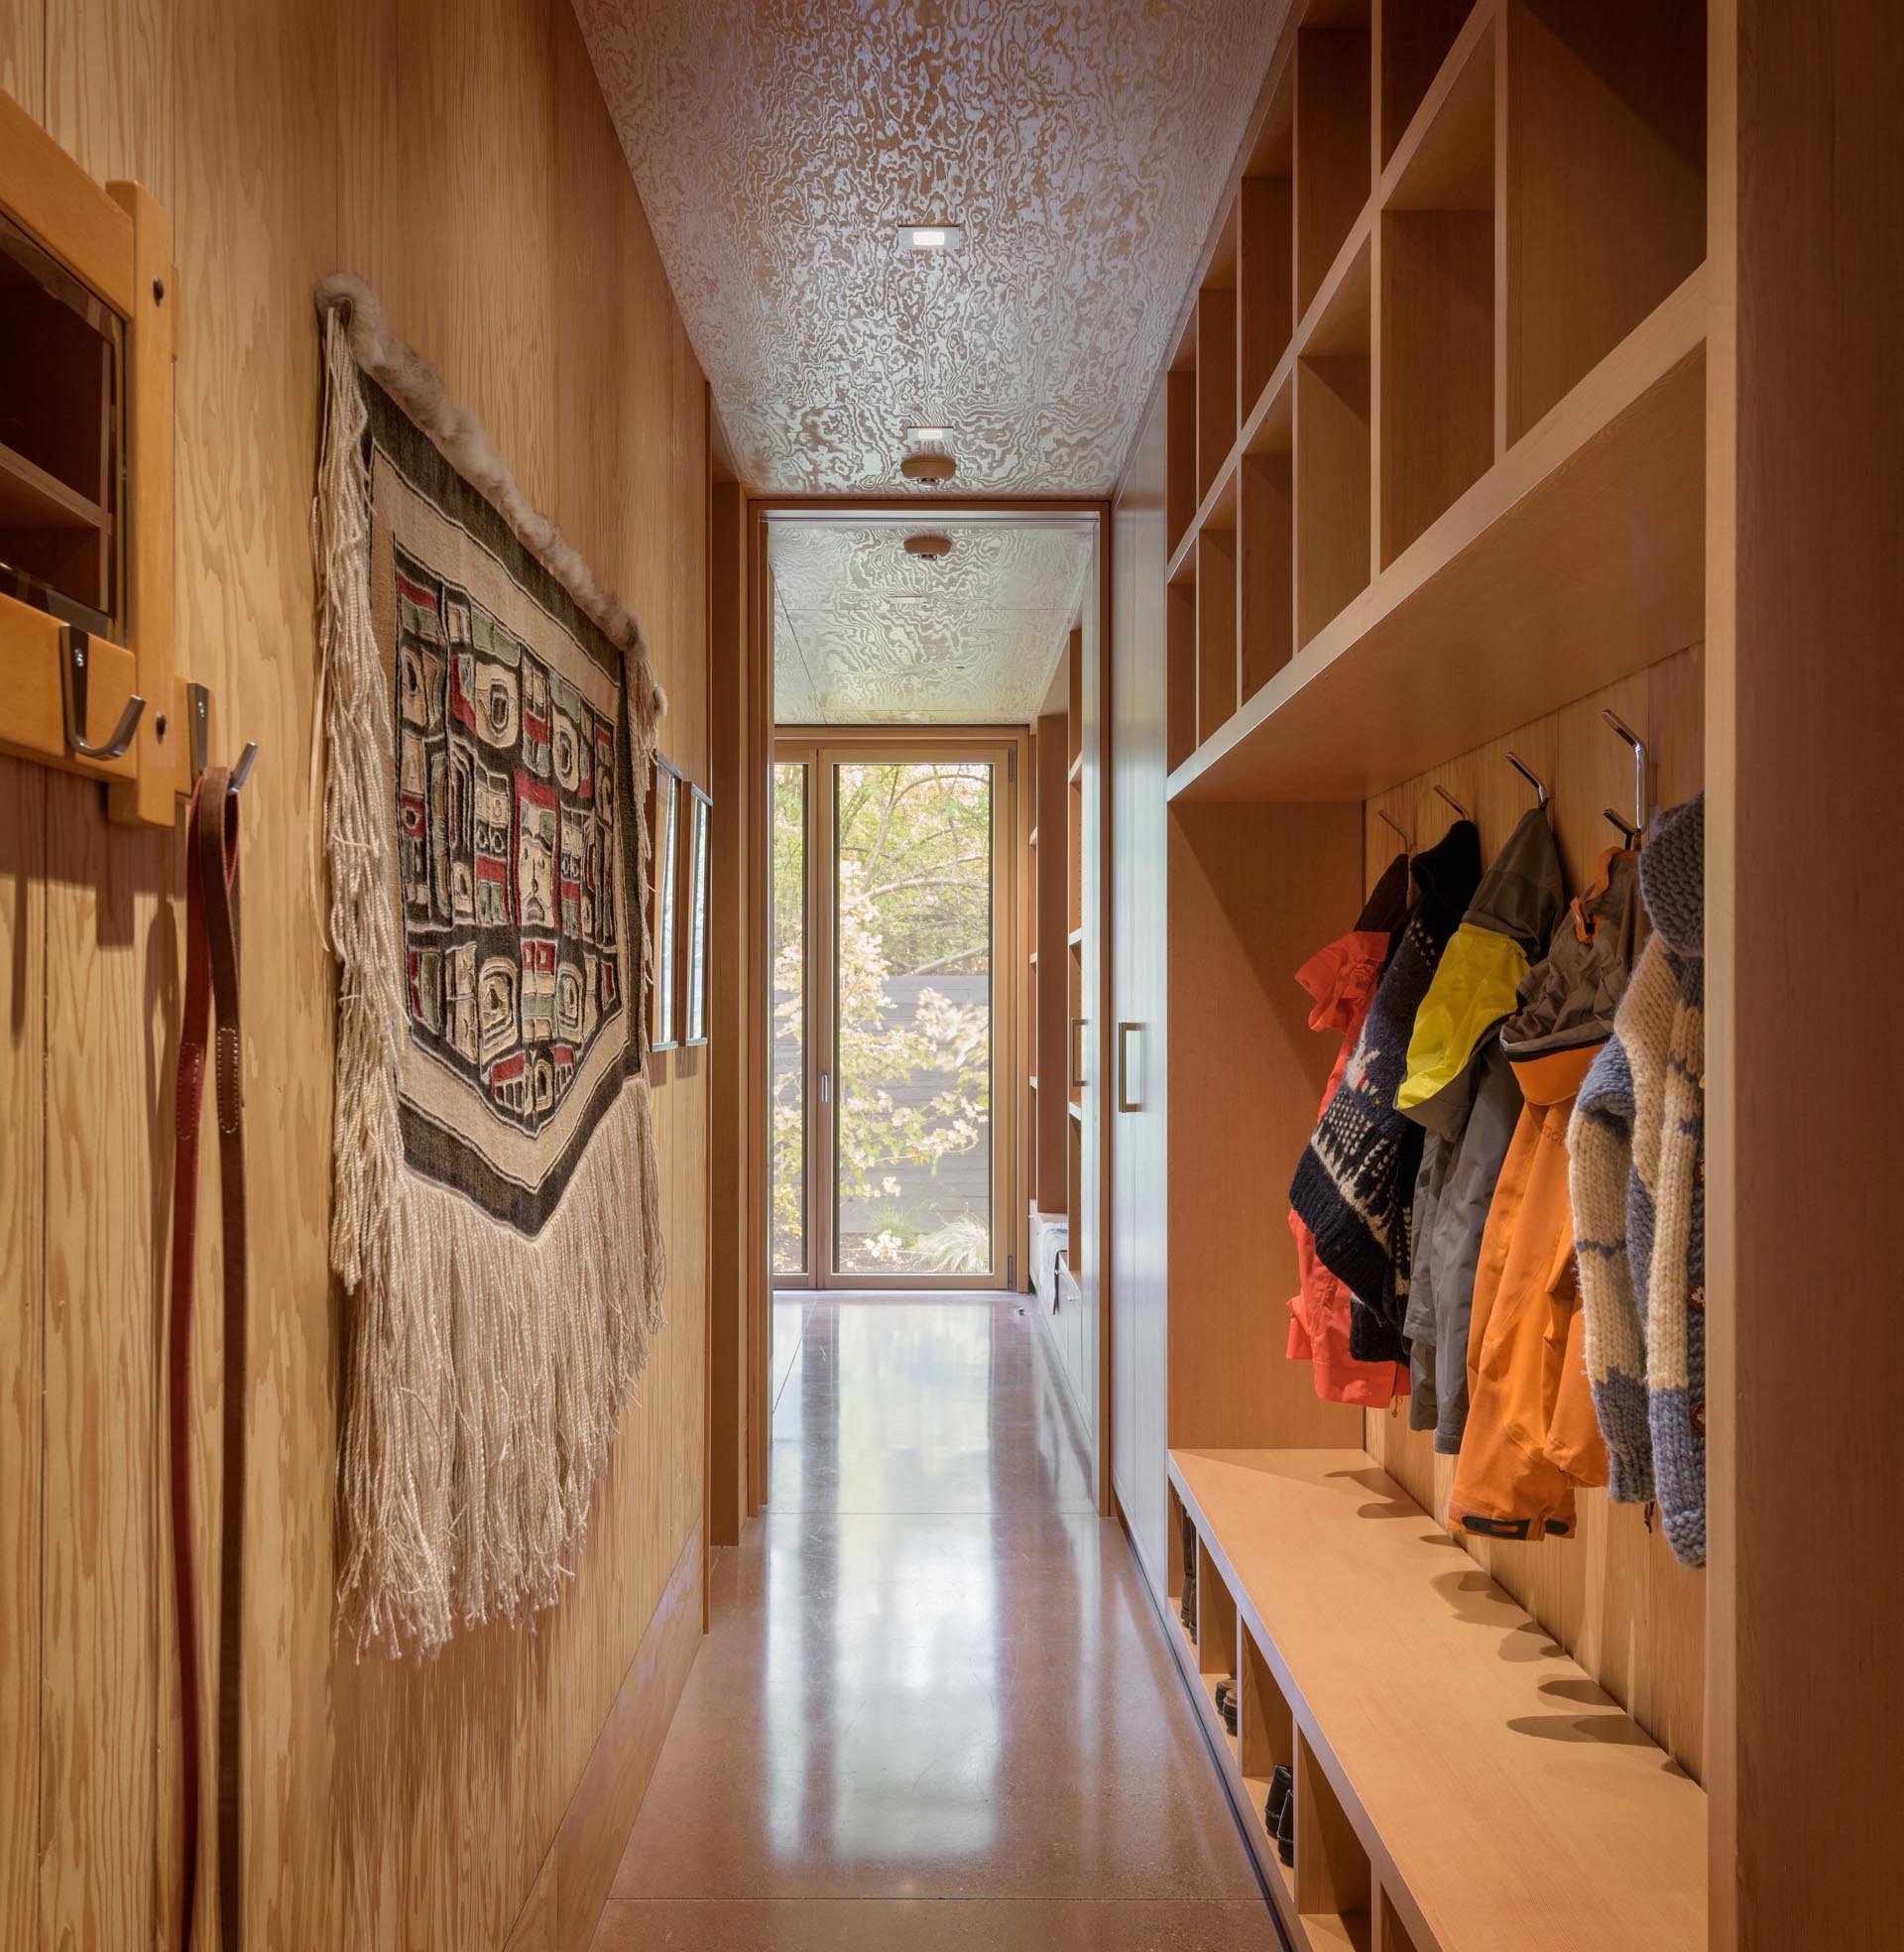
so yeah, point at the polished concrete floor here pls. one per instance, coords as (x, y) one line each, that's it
(935, 1709)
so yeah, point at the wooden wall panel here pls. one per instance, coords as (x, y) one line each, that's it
(1615, 1596)
(1139, 951)
(459, 157)
(1247, 883)
(109, 1006)
(23, 967)
(1808, 725)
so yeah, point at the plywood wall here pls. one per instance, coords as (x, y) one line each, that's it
(1615, 1596)
(454, 152)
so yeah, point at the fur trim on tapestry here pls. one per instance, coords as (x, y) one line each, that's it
(489, 720)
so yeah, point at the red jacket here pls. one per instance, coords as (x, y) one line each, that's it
(1342, 978)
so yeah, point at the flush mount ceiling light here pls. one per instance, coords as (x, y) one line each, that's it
(931, 237)
(928, 461)
(928, 546)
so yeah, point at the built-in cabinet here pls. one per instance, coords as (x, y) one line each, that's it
(1440, 465)
(1065, 1110)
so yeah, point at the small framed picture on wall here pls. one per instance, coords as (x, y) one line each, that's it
(664, 824)
(700, 870)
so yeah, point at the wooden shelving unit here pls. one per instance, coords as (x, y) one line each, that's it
(1425, 478)
(1467, 488)
(1048, 919)
(1447, 1756)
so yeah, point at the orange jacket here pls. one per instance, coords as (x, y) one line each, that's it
(1531, 1435)
(1342, 978)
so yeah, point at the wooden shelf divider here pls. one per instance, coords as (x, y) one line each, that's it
(1575, 561)
(1446, 1752)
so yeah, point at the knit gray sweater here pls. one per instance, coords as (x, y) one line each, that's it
(1637, 1182)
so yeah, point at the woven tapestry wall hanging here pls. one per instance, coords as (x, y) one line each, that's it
(489, 718)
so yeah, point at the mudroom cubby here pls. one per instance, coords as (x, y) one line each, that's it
(1464, 514)
(1465, 1795)
(1602, 198)
(1332, 136)
(1333, 1898)
(1492, 377)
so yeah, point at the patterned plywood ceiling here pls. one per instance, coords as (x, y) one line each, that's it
(778, 144)
(865, 634)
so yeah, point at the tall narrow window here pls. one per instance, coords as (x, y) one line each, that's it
(913, 912)
(789, 1055)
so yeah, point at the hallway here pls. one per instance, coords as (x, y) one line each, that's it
(932, 1674)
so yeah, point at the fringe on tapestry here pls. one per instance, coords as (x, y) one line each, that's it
(489, 718)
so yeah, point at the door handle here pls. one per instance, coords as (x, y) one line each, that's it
(1077, 1052)
(826, 1089)
(1125, 1102)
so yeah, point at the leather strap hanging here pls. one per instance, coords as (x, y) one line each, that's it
(211, 975)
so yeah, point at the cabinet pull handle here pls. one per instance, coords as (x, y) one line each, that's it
(1125, 1102)
(1077, 1052)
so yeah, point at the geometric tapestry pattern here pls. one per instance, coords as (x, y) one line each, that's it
(506, 821)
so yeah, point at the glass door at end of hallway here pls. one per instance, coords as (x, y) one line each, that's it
(894, 916)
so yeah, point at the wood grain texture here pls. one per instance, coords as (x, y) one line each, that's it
(1615, 1596)
(1139, 951)
(23, 972)
(1811, 740)
(573, 1881)
(1252, 892)
(736, 1125)
(1603, 197)
(1479, 1772)
(461, 160)
(1045, 1032)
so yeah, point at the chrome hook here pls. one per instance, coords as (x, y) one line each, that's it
(1636, 827)
(1452, 801)
(75, 655)
(1542, 797)
(199, 697)
(1407, 839)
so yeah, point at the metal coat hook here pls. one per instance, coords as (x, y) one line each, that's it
(199, 697)
(75, 657)
(1543, 798)
(1407, 839)
(1452, 801)
(1635, 828)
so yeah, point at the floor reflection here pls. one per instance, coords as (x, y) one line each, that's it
(932, 1671)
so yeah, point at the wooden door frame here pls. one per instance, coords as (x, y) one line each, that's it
(821, 749)
(756, 977)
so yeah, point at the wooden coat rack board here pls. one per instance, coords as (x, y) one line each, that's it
(88, 318)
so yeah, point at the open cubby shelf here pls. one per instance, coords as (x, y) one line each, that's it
(1575, 561)
(1435, 424)
(1456, 1772)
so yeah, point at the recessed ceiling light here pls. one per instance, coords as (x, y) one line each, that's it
(933, 468)
(931, 237)
(928, 546)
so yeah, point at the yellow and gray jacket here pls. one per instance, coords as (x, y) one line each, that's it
(1461, 1089)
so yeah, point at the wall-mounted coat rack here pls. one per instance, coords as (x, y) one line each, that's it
(87, 304)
